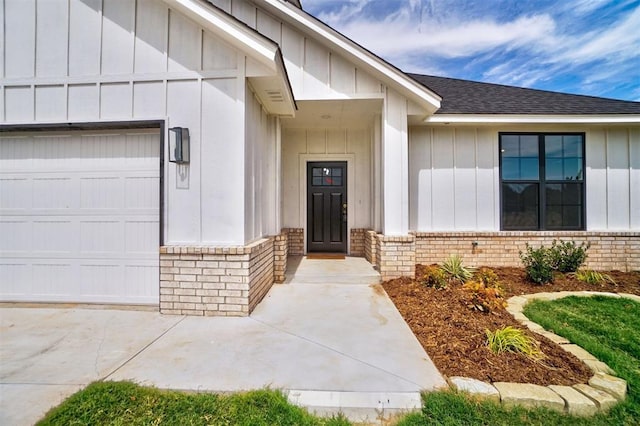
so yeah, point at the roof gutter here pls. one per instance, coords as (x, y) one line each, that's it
(533, 119)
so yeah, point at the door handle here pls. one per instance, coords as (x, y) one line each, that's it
(344, 212)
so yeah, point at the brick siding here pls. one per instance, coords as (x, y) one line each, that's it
(608, 251)
(370, 247)
(396, 256)
(357, 237)
(216, 281)
(296, 240)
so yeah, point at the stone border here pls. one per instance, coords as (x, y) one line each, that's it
(603, 391)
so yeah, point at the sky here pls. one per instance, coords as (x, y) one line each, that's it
(588, 47)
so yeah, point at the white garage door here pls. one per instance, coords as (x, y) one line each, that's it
(79, 217)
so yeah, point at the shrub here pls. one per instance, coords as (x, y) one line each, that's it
(566, 256)
(537, 264)
(593, 277)
(509, 339)
(454, 269)
(485, 298)
(433, 276)
(487, 277)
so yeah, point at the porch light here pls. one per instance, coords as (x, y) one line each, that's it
(179, 145)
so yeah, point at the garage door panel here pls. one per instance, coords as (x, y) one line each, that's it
(79, 218)
(14, 195)
(15, 236)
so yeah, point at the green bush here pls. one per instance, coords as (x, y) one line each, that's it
(537, 264)
(434, 277)
(566, 256)
(454, 269)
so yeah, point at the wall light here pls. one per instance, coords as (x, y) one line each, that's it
(179, 145)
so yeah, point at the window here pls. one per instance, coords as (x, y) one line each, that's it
(542, 181)
(327, 176)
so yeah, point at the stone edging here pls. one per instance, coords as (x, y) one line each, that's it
(603, 391)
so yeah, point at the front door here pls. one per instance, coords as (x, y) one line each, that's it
(327, 206)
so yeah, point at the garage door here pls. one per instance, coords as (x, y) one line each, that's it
(79, 217)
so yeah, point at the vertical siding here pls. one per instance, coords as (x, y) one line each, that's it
(52, 18)
(20, 40)
(634, 178)
(339, 144)
(453, 179)
(613, 190)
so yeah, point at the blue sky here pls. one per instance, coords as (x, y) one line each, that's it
(589, 47)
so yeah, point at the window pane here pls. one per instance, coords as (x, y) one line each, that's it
(529, 169)
(317, 181)
(573, 168)
(520, 206)
(510, 168)
(317, 171)
(553, 146)
(510, 146)
(337, 171)
(572, 146)
(563, 206)
(529, 146)
(554, 169)
(337, 181)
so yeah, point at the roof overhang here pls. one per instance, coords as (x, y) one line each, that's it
(533, 119)
(385, 72)
(272, 88)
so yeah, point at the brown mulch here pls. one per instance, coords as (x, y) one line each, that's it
(454, 335)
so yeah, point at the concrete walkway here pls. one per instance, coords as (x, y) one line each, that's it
(330, 337)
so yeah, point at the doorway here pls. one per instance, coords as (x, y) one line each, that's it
(327, 206)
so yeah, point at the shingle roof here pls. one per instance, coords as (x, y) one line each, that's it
(471, 97)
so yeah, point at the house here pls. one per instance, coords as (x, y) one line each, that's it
(229, 134)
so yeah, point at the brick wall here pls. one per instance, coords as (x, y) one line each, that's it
(296, 240)
(215, 281)
(357, 236)
(370, 247)
(609, 250)
(396, 256)
(280, 254)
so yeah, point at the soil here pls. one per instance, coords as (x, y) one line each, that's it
(454, 335)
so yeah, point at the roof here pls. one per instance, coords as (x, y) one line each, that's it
(472, 97)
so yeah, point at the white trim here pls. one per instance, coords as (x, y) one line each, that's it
(303, 159)
(524, 118)
(239, 35)
(389, 74)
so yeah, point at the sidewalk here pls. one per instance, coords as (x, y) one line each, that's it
(337, 344)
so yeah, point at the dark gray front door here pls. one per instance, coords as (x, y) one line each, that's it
(327, 206)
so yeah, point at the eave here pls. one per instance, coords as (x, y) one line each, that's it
(274, 89)
(532, 119)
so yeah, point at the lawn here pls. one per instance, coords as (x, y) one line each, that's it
(608, 328)
(124, 403)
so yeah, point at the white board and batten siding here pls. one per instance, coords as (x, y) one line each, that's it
(79, 217)
(314, 70)
(454, 177)
(334, 144)
(121, 60)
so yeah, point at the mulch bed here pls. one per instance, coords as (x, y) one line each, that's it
(454, 335)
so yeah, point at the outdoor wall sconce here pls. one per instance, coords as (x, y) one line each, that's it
(179, 145)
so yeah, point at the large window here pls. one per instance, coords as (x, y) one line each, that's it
(542, 181)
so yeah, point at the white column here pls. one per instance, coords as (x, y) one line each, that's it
(395, 165)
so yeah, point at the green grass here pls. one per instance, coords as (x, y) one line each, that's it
(124, 403)
(608, 328)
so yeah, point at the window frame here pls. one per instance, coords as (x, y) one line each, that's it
(542, 182)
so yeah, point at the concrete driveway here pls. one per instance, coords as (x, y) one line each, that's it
(331, 345)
